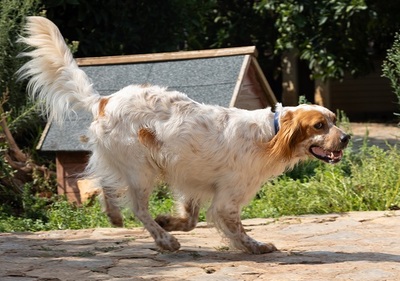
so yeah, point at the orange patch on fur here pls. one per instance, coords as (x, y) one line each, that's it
(148, 138)
(102, 104)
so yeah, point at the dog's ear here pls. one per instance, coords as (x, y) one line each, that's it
(283, 144)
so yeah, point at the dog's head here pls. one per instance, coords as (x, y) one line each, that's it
(309, 130)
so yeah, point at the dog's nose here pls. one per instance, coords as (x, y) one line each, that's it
(344, 138)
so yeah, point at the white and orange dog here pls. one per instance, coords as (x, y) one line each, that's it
(205, 153)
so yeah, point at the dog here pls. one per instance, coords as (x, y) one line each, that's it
(206, 153)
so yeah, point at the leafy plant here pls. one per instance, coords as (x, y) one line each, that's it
(364, 181)
(391, 66)
(314, 28)
(12, 19)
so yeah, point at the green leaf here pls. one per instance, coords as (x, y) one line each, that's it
(323, 20)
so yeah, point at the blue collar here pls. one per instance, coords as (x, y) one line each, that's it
(276, 122)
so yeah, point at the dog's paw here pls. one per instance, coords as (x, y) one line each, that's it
(263, 248)
(116, 219)
(254, 247)
(168, 244)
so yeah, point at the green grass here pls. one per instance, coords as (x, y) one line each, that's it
(58, 214)
(368, 179)
(364, 181)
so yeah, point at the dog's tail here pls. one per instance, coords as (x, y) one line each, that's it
(55, 79)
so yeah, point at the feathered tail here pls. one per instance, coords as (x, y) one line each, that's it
(55, 79)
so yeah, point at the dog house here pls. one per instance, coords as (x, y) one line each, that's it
(228, 77)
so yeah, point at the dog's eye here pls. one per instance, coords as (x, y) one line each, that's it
(319, 125)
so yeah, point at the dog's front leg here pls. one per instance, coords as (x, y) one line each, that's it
(226, 217)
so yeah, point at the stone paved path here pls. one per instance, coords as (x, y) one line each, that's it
(353, 246)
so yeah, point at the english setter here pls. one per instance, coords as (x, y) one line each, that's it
(205, 153)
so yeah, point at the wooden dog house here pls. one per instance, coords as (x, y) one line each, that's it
(228, 77)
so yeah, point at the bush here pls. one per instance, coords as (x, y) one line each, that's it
(364, 181)
(57, 213)
(391, 66)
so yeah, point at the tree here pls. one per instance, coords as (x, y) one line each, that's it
(334, 36)
(106, 27)
(234, 23)
(19, 121)
(12, 18)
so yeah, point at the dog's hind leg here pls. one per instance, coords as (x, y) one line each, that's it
(139, 197)
(186, 221)
(111, 209)
(225, 214)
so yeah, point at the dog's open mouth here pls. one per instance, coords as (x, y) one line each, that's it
(328, 156)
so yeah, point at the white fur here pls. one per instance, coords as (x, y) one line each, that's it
(205, 153)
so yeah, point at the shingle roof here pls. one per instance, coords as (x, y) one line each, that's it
(207, 80)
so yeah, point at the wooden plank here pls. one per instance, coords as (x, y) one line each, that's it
(73, 197)
(366, 94)
(60, 176)
(269, 94)
(70, 166)
(72, 174)
(74, 157)
(252, 94)
(44, 134)
(249, 99)
(239, 82)
(369, 94)
(170, 56)
(256, 87)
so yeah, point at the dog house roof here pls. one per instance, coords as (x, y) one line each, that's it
(226, 77)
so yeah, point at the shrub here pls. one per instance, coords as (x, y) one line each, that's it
(391, 66)
(364, 181)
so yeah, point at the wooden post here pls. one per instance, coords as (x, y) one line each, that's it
(322, 93)
(70, 166)
(290, 83)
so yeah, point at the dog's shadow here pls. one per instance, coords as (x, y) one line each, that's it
(281, 257)
(324, 257)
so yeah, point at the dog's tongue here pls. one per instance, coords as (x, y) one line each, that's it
(336, 154)
(319, 151)
(326, 153)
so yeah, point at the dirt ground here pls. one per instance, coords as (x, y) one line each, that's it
(379, 134)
